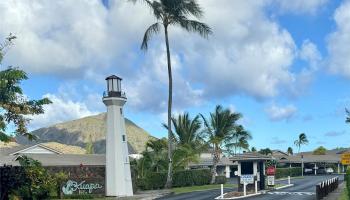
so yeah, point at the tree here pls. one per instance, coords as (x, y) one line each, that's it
(238, 139)
(348, 116)
(89, 148)
(320, 151)
(188, 143)
(218, 129)
(302, 140)
(266, 151)
(173, 13)
(290, 151)
(253, 149)
(15, 107)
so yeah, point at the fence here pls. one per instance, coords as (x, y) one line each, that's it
(326, 187)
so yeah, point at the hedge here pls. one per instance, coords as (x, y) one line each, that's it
(347, 178)
(180, 179)
(220, 180)
(285, 172)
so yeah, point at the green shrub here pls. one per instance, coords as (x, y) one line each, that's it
(180, 179)
(347, 178)
(78, 196)
(220, 180)
(285, 172)
(201, 176)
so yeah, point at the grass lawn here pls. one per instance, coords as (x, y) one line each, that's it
(181, 190)
(344, 195)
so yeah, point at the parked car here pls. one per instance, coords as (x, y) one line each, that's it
(329, 170)
(308, 171)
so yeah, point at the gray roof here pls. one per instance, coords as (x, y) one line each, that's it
(250, 156)
(309, 158)
(59, 159)
(209, 161)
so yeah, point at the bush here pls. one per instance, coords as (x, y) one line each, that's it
(180, 179)
(347, 178)
(220, 180)
(285, 172)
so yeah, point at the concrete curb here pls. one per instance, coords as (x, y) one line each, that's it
(241, 197)
(285, 186)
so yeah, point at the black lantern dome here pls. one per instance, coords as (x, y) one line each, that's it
(114, 88)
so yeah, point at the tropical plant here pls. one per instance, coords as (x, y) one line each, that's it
(14, 105)
(218, 129)
(89, 147)
(253, 149)
(302, 140)
(348, 115)
(266, 151)
(238, 140)
(320, 151)
(173, 13)
(290, 151)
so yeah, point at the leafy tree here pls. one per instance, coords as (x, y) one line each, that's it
(89, 148)
(302, 140)
(238, 140)
(290, 151)
(218, 129)
(266, 151)
(320, 151)
(14, 105)
(253, 149)
(173, 13)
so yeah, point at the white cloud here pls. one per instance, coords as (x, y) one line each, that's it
(338, 42)
(300, 6)
(278, 113)
(60, 110)
(309, 52)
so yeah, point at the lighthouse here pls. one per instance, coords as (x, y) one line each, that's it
(118, 176)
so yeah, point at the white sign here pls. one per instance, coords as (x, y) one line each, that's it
(270, 180)
(72, 186)
(247, 178)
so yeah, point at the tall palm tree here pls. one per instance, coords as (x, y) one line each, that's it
(238, 139)
(302, 140)
(290, 151)
(173, 13)
(218, 129)
(348, 115)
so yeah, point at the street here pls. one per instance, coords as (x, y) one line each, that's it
(303, 189)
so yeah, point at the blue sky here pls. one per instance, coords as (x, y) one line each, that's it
(284, 65)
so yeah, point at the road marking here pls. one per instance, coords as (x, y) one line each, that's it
(291, 193)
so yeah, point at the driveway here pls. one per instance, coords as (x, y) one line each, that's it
(303, 189)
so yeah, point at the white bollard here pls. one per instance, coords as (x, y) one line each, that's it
(256, 187)
(245, 189)
(288, 180)
(222, 191)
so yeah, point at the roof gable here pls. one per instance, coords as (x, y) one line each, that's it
(37, 149)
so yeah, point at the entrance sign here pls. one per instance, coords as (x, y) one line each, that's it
(270, 180)
(81, 186)
(345, 159)
(247, 178)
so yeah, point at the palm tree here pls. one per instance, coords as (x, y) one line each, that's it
(173, 13)
(253, 149)
(266, 151)
(348, 115)
(187, 140)
(301, 141)
(290, 151)
(218, 129)
(238, 139)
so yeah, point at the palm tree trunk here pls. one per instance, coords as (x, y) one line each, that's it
(216, 157)
(169, 180)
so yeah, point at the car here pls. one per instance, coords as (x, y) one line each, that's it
(329, 170)
(308, 171)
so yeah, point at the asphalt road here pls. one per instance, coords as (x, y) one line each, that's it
(303, 189)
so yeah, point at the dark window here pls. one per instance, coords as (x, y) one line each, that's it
(123, 138)
(121, 111)
(247, 168)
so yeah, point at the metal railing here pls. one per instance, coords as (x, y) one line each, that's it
(326, 187)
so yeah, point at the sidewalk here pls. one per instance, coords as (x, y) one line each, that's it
(144, 195)
(336, 193)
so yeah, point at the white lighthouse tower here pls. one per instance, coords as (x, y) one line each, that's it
(118, 176)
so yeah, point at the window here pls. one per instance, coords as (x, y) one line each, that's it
(123, 138)
(121, 111)
(247, 167)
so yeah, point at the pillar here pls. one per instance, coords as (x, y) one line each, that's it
(227, 171)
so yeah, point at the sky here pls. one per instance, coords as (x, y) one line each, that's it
(284, 65)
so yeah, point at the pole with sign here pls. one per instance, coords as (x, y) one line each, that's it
(271, 171)
(345, 159)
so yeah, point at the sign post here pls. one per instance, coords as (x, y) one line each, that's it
(345, 159)
(271, 171)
